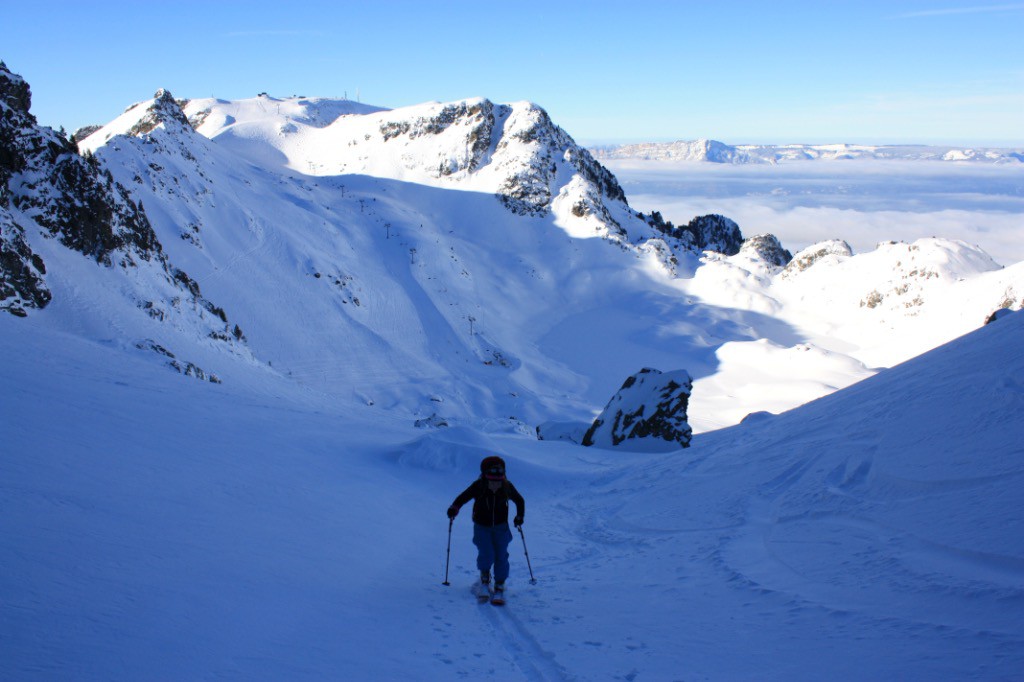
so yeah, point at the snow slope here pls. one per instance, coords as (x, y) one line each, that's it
(159, 528)
(380, 227)
(467, 264)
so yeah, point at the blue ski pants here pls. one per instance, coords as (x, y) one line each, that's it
(492, 549)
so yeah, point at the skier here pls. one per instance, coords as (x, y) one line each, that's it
(490, 494)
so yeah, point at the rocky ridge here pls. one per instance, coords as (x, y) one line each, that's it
(51, 192)
(513, 151)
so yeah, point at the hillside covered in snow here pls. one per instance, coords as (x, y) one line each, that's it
(468, 262)
(254, 348)
(157, 526)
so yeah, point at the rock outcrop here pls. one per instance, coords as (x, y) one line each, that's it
(50, 191)
(768, 248)
(647, 413)
(833, 250)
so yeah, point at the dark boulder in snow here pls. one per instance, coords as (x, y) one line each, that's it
(647, 413)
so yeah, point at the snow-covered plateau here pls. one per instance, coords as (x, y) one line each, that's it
(252, 350)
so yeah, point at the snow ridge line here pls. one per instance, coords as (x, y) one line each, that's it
(532, 660)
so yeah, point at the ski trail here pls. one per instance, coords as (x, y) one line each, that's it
(532, 660)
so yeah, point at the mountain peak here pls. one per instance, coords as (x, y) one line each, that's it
(513, 151)
(138, 120)
(162, 110)
(14, 91)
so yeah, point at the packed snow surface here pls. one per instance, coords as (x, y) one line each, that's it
(163, 528)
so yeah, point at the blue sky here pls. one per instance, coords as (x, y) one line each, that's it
(630, 70)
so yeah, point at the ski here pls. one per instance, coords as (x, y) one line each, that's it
(498, 598)
(482, 593)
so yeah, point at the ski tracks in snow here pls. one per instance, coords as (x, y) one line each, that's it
(493, 643)
(532, 660)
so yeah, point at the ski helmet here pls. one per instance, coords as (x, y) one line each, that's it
(493, 468)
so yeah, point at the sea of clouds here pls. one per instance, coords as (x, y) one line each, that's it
(862, 201)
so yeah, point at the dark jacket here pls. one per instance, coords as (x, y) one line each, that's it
(491, 508)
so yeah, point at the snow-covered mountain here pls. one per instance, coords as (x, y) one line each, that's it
(61, 214)
(421, 287)
(468, 262)
(719, 152)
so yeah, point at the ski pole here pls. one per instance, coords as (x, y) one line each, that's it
(533, 581)
(449, 556)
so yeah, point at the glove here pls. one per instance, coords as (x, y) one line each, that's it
(453, 511)
(518, 521)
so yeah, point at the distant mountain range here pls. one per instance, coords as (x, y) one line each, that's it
(714, 151)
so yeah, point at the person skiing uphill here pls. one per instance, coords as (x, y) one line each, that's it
(490, 494)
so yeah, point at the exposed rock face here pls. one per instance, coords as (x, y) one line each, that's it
(163, 110)
(516, 151)
(45, 184)
(70, 197)
(49, 191)
(834, 249)
(22, 283)
(768, 248)
(531, 184)
(83, 132)
(21, 271)
(715, 233)
(478, 118)
(648, 412)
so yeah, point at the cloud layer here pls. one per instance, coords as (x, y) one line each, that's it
(864, 203)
